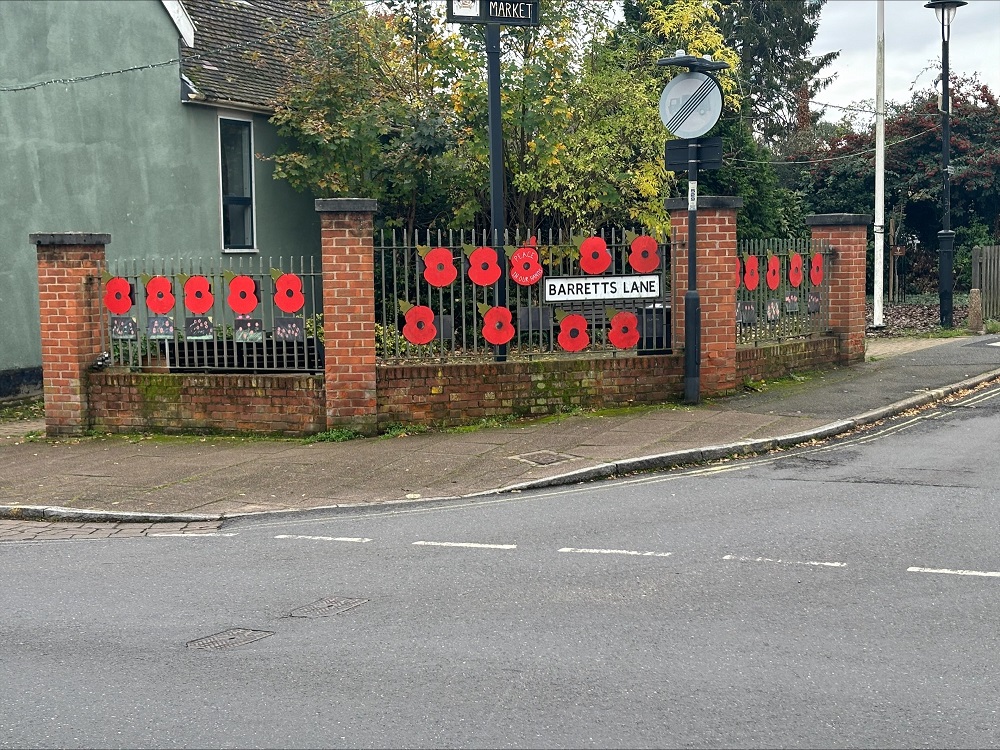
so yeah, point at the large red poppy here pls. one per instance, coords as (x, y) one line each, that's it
(288, 295)
(198, 297)
(159, 297)
(525, 269)
(483, 267)
(773, 275)
(242, 295)
(419, 328)
(497, 328)
(439, 267)
(573, 335)
(624, 332)
(751, 272)
(795, 270)
(643, 254)
(118, 296)
(816, 269)
(594, 255)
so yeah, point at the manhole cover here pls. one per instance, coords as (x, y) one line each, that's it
(325, 607)
(543, 458)
(229, 638)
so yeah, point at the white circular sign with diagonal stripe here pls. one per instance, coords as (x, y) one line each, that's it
(690, 105)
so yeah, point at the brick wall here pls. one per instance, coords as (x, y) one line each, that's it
(69, 280)
(288, 405)
(780, 360)
(349, 311)
(453, 394)
(848, 237)
(715, 252)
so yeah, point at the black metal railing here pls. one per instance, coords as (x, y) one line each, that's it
(445, 295)
(782, 292)
(241, 314)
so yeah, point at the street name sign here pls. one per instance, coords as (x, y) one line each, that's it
(504, 12)
(582, 288)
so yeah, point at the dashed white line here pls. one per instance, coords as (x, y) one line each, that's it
(616, 552)
(181, 533)
(786, 562)
(946, 571)
(358, 539)
(473, 545)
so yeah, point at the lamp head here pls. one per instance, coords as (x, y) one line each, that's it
(945, 10)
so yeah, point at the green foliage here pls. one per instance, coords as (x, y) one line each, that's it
(839, 175)
(337, 435)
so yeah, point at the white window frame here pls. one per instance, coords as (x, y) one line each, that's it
(239, 117)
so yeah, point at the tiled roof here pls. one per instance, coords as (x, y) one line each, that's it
(241, 45)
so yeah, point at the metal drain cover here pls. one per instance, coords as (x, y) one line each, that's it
(326, 607)
(543, 458)
(229, 638)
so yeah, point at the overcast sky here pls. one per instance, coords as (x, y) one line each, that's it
(912, 43)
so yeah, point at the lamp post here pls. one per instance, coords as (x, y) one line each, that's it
(945, 12)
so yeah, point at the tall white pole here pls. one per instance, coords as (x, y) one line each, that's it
(879, 163)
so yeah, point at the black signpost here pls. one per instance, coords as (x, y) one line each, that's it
(690, 106)
(494, 14)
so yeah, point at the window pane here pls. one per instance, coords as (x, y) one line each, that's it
(237, 183)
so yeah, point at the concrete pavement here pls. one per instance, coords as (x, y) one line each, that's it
(202, 480)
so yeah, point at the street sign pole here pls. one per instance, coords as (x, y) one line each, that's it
(493, 15)
(692, 302)
(497, 219)
(690, 106)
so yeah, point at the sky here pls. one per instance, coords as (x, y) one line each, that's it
(912, 43)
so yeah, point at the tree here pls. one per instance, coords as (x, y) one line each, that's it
(773, 39)
(838, 174)
(370, 113)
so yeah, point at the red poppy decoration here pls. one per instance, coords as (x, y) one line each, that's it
(198, 297)
(497, 327)
(419, 328)
(573, 335)
(739, 272)
(795, 270)
(525, 269)
(594, 255)
(751, 273)
(159, 297)
(816, 269)
(483, 267)
(118, 296)
(773, 275)
(288, 293)
(644, 255)
(439, 267)
(242, 295)
(624, 332)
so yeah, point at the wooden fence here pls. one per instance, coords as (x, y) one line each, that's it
(986, 278)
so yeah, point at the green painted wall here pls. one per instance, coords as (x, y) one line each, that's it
(117, 154)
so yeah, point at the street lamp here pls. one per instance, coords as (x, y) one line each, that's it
(945, 12)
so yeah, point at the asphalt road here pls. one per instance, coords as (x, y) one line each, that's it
(841, 595)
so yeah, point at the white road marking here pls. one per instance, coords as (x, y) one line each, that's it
(474, 545)
(786, 562)
(983, 573)
(616, 552)
(189, 533)
(358, 539)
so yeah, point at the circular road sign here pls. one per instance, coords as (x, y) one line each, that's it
(690, 105)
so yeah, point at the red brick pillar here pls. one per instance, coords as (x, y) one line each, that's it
(69, 295)
(348, 265)
(716, 253)
(847, 235)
